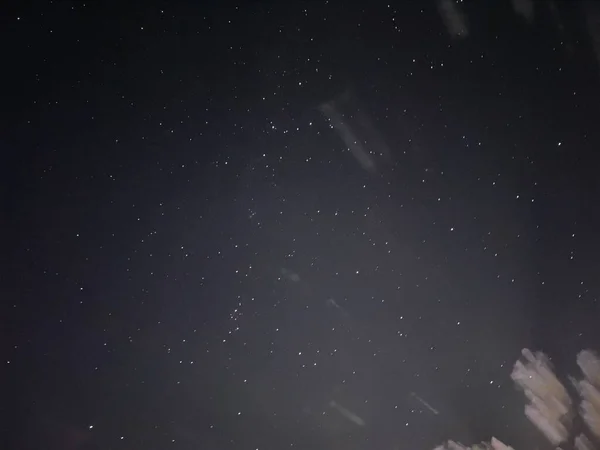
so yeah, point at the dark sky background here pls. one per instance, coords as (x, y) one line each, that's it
(195, 260)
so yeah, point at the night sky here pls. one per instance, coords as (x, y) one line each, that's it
(292, 225)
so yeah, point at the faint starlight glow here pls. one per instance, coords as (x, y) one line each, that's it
(286, 214)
